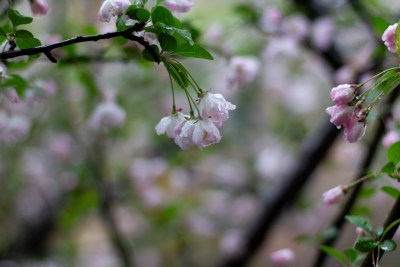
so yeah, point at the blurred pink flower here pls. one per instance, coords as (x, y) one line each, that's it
(3, 70)
(178, 7)
(112, 9)
(242, 71)
(215, 107)
(231, 242)
(390, 138)
(168, 124)
(345, 74)
(16, 130)
(389, 37)
(343, 94)
(296, 27)
(334, 195)
(107, 115)
(271, 19)
(322, 33)
(354, 129)
(282, 257)
(39, 7)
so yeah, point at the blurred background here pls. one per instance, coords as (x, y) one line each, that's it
(86, 181)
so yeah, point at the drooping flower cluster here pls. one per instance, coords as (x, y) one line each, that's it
(111, 9)
(345, 114)
(389, 37)
(202, 131)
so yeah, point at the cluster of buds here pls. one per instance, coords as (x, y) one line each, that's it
(202, 130)
(347, 114)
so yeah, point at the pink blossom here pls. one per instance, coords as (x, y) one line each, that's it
(205, 133)
(271, 19)
(16, 129)
(184, 134)
(112, 9)
(242, 70)
(107, 115)
(12, 95)
(231, 242)
(215, 107)
(322, 33)
(390, 138)
(343, 94)
(39, 7)
(282, 257)
(361, 231)
(168, 124)
(354, 129)
(334, 195)
(340, 114)
(178, 7)
(297, 27)
(389, 37)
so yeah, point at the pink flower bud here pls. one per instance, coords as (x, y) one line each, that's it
(361, 231)
(354, 129)
(343, 94)
(39, 7)
(282, 257)
(340, 114)
(334, 195)
(389, 37)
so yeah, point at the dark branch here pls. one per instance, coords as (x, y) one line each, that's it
(46, 49)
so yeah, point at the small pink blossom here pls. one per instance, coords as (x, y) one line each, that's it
(334, 195)
(215, 107)
(167, 124)
(39, 7)
(340, 114)
(271, 20)
(389, 37)
(361, 231)
(107, 115)
(242, 70)
(343, 94)
(282, 257)
(178, 7)
(184, 134)
(112, 9)
(354, 129)
(390, 138)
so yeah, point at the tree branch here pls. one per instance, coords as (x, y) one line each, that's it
(46, 49)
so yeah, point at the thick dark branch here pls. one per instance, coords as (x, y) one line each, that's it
(46, 49)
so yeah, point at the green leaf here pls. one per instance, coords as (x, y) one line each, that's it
(23, 34)
(333, 252)
(25, 43)
(162, 15)
(18, 19)
(391, 191)
(194, 51)
(390, 227)
(365, 244)
(389, 169)
(160, 1)
(367, 192)
(176, 32)
(146, 54)
(360, 222)
(351, 254)
(247, 12)
(388, 245)
(393, 153)
(167, 42)
(384, 85)
(139, 14)
(397, 41)
(3, 33)
(121, 23)
(378, 232)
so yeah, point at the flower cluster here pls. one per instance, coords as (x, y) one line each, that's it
(346, 114)
(202, 131)
(112, 9)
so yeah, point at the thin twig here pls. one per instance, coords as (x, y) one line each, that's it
(46, 49)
